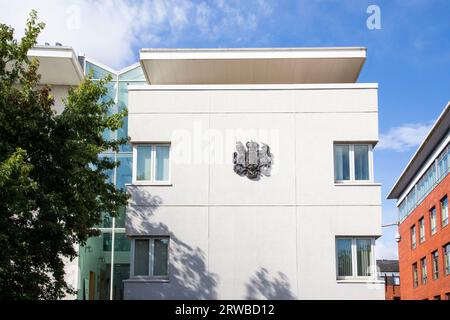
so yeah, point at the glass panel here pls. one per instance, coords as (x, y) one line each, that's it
(121, 242)
(423, 265)
(162, 163)
(361, 162)
(144, 155)
(413, 237)
(344, 254)
(141, 256)
(364, 257)
(447, 259)
(433, 220)
(415, 275)
(110, 95)
(107, 241)
(122, 104)
(422, 230)
(106, 217)
(444, 211)
(135, 74)
(341, 162)
(160, 255)
(435, 257)
(98, 73)
(120, 218)
(124, 170)
(94, 270)
(121, 263)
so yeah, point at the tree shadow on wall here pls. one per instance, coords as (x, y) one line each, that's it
(189, 277)
(263, 285)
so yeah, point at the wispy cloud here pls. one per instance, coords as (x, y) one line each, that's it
(112, 31)
(386, 250)
(404, 137)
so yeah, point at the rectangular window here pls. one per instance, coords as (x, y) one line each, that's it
(342, 162)
(352, 162)
(423, 267)
(446, 250)
(444, 211)
(422, 230)
(413, 237)
(435, 260)
(437, 298)
(415, 275)
(433, 220)
(152, 163)
(150, 257)
(354, 258)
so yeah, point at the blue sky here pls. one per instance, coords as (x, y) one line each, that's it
(409, 56)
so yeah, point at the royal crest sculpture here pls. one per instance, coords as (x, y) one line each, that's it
(252, 161)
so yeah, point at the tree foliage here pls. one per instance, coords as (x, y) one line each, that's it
(53, 184)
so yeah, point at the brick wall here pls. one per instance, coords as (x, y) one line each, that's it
(408, 256)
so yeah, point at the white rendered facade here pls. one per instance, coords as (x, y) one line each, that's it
(275, 237)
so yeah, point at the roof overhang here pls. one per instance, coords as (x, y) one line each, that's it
(252, 66)
(434, 137)
(57, 65)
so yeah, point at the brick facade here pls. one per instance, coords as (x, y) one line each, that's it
(408, 256)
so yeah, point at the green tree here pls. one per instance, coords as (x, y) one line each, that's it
(53, 184)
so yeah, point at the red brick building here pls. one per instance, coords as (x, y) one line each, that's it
(422, 194)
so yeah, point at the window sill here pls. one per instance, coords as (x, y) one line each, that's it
(147, 279)
(374, 281)
(150, 183)
(356, 183)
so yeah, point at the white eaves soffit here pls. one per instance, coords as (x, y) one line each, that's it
(252, 66)
(57, 65)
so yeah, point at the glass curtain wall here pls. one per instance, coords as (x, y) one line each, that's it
(104, 262)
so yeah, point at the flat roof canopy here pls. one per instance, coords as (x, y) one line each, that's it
(57, 65)
(252, 66)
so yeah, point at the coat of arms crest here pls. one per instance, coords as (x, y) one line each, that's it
(252, 161)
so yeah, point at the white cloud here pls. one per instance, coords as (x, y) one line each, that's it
(386, 251)
(112, 31)
(404, 137)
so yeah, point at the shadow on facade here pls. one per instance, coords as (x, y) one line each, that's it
(263, 285)
(188, 272)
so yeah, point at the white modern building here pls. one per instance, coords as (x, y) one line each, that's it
(307, 230)
(293, 215)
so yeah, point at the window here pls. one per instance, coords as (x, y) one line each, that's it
(152, 162)
(423, 267)
(150, 257)
(433, 220)
(354, 258)
(413, 237)
(422, 230)
(352, 162)
(446, 250)
(437, 298)
(447, 296)
(435, 260)
(444, 211)
(415, 275)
